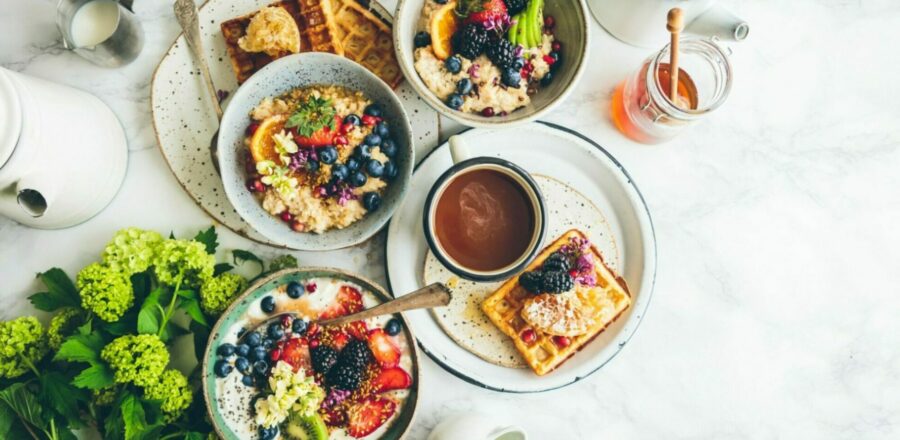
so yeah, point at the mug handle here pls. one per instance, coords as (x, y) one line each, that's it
(459, 149)
(512, 429)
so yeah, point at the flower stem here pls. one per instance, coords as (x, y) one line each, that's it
(171, 307)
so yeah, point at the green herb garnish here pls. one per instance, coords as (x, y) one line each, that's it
(311, 116)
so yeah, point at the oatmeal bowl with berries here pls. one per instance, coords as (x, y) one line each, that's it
(315, 152)
(486, 63)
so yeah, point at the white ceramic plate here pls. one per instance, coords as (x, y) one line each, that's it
(580, 163)
(184, 120)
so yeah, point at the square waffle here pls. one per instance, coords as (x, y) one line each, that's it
(366, 39)
(605, 302)
(318, 33)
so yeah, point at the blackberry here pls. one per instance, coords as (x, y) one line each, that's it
(557, 282)
(513, 7)
(344, 376)
(532, 281)
(501, 52)
(323, 358)
(356, 353)
(470, 41)
(557, 262)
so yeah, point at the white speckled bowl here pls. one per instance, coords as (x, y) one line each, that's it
(279, 77)
(571, 29)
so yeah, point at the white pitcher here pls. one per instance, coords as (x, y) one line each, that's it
(63, 153)
(474, 426)
(643, 22)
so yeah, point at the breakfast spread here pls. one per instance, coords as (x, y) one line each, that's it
(319, 157)
(563, 300)
(291, 378)
(486, 56)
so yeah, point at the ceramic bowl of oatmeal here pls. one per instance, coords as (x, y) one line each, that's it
(315, 152)
(489, 63)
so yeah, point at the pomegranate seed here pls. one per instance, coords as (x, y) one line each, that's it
(489, 111)
(347, 128)
(286, 216)
(549, 60)
(549, 22)
(250, 166)
(275, 355)
(256, 185)
(573, 272)
(311, 287)
(556, 46)
(341, 140)
(369, 120)
(561, 341)
(314, 343)
(528, 336)
(286, 321)
(252, 128)
(297, 226)
(312, 330)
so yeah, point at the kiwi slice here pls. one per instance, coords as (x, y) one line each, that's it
(300, 427)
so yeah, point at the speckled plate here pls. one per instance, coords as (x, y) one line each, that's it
(577, 162)
(184, 121)
(276, 282)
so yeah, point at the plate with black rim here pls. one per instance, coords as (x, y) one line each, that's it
(579, 163)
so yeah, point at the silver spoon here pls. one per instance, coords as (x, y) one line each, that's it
(186, 13)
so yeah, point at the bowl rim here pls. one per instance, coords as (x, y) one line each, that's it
(473, 119)
(302, 60)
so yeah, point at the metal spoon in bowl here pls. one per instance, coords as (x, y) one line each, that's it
(186, 13)
(433, 295)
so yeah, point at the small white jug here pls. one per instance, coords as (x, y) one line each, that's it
(63, 153)
(472, 426)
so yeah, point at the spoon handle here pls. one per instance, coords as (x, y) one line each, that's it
(434, 295)
(186, 13)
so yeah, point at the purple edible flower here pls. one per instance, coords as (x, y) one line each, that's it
(301, 157)
(344, 195)
(221, 95)
(582, 260)
(334, 398)
(473, 70)
(519, 50)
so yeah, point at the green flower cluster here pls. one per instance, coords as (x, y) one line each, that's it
(62, 325)
(105, 291)
(219, 291)
(131, 250)
(137, 359)
(282, 262)
(23, 343)
(174, 392)
(184, 260)
(104, 396)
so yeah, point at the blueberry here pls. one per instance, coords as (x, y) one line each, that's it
(275, 331)
(382, 129)
(225, 350)
(519, 63)
(242, 350)
(371, 201)
(247, 380)
(361, 153)
(374, 168)
(511, 78)
(547, 79)
(222, 368)
(339, 173)
(242, 364)
(312, 166)
(390, 171)
(389, 147)
(352, 119)
(393, 327)
(556, 56)
(268, 304)
(299, 326)
(353, 164)
(268, 343)
(372, 139)
(422, 39)
(328, 155)
(295, 289)
(358, 179)
(464, 86)
(260, 367)
(258, 353)
(373, 110)
(453, 64)
(454, 101)
(254, 339)
(268, 433)
(441, 2)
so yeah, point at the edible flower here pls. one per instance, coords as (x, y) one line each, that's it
(290, 392)
(577, 250)
(285, 147)
(279, 178)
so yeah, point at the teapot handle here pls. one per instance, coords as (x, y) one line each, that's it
(33, 196)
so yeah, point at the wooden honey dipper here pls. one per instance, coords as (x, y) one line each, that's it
(674, 24)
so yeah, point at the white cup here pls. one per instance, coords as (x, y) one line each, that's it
(473, 426)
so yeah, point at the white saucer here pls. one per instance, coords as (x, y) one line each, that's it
(554, 151)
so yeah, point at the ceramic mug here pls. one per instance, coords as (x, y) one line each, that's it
(475, 427)
(463, 164)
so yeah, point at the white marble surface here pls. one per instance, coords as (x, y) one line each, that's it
(776, 312)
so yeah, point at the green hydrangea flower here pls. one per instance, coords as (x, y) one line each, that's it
(104, 291)
(183, 259)
(62, 325)
(23, 343)
(104, 396)
(218, 292)
(137, 359)
(131, 250)
(174, 391)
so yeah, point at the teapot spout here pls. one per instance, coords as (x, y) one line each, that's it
(33, 198)
(719, 22)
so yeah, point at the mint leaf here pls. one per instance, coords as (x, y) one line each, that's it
(80, 348)
(23, 403)
(60, 291)
(57, 393)
(208, 238)
(97, 376)
(148, 318)
(311, 116)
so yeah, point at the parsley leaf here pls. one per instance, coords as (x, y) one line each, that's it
(311, 116)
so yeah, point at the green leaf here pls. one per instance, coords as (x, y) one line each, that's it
(188, 294)
(171, 235)
(81, 348)
(222, 268)
(193, 435)
(241, 256)
(192, 308)
(148, 319)
(59, 284)
(208, 238)
(23, 403)
(97, 376)
(7, 419)
(311, 116)
(283, 262)
(85, 329)
(133, 416)
(141, 284)
(57, 393)
(201, 338)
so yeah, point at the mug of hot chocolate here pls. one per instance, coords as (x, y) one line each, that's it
(484, 218)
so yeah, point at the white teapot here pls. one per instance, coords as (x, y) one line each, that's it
(474, 426)
(63, 153)
(642, 22)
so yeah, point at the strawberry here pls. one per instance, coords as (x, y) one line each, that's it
(391, 379)
(490, 13)
(350, 298)
(335, 416)
(339, 340)
(365, 416)
(296, 353)
(386, 353)
(320, 138)
(358, 330)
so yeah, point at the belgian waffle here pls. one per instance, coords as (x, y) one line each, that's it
(603, 303)
(318, 33)
(366, 39)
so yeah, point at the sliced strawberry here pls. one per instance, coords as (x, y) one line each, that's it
(335, 416)
(350, 298)
(386, 353)
(320, 138)
(358, 329)
(492, 14)
(391, 379)
(365, 416)
(296, 353)
(335, 310)
(339, 340)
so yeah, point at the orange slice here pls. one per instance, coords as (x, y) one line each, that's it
(262, 144)
(443, 25)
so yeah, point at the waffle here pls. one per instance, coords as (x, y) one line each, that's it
(603, 303)
(366, 39)
(317, 34)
